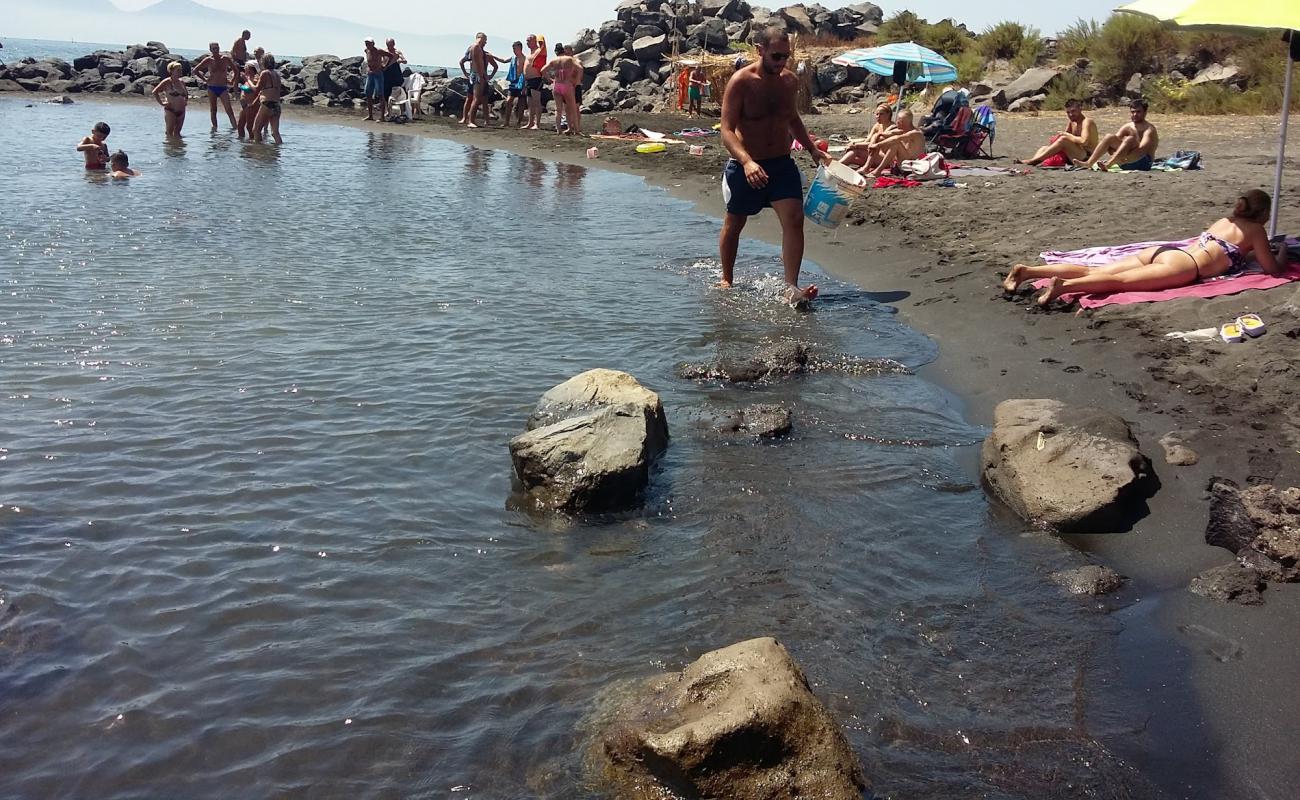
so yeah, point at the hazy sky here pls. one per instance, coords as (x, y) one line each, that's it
(561, 18)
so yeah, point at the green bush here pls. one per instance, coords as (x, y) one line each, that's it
(1128, 44)
(1002, 40)
(946, 39)
(1030, 50)
(1068, 85)
(902, 27)
(969, 64)
(1078, 40)
(1208, 99)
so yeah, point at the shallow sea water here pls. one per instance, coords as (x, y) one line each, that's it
(256, 537)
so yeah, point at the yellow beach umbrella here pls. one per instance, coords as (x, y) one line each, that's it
(1237, 15)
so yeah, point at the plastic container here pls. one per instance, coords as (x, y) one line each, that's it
(593, 152)
(831, 193)
(651, 147)
(697, 149)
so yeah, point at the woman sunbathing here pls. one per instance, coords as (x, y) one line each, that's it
(859, 149)
(1221, 249)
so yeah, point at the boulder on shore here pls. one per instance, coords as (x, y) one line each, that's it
(740, 723)
(1070, 468)
(590, 443)
(1230, 583)
(1260, 525)
(1092, 579)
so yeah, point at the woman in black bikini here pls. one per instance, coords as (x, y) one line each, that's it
(269, 87)
(172, 95)
(1221, 249)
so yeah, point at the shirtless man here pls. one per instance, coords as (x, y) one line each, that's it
(93, 147)
(905, 141)
(1075, 143)
(533, 79)
(516, 86)
(217, 70)
(482, 66)
(1132, 147)
(376, 62)
(759, 116)
(239, 50)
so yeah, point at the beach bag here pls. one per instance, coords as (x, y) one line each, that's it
(927, 168)
(1185, 159)
(612, 126)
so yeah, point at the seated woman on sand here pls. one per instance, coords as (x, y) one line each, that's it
(858, 150)
(900, 143)
(1221, 249)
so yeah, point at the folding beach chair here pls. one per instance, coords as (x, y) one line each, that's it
(986, 122)
(951, 139)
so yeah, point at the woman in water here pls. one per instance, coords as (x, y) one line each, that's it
(566, 73)
(173, 96)
(1221, 249)
(269, 87)
(249, 103)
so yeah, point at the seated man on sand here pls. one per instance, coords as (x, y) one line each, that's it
(903, 142)
(1075, 143)
(1132, 147)
(858, 150)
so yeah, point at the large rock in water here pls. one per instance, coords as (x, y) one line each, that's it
(590, 443)
(1071, 468)
(739, 723)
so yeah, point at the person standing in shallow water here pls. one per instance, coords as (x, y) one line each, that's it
(759, 117)
(269, 89)
(239, 50)
(218, 72)
(173, 96)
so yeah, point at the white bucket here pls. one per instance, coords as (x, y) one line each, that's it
(831, 193)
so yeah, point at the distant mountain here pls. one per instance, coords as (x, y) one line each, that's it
(187, 24)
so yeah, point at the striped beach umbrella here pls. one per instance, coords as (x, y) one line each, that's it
(923, 64)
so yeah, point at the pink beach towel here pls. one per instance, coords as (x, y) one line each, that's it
(1252, 278)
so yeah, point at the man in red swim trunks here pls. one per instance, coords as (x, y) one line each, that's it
(759, 116)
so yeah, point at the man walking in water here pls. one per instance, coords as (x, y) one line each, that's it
(759, 117)
(217, 70)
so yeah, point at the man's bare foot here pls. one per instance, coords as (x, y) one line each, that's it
(800, 297)
(471, 125)
(1081, 163)
(1052, 292)
(724, 284)
(1013, 278)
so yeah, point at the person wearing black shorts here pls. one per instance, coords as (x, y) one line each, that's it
(759, 117)
(392, 73)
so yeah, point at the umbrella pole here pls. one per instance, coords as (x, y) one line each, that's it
(1281, 144)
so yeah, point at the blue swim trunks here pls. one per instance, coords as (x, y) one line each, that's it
(1143, 164)
(217, 91)
(784, 182)
(375, 85)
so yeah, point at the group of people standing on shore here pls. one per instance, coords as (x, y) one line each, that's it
(255, 77)
(530, 66)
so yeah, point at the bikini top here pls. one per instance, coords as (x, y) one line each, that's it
(1236, 259)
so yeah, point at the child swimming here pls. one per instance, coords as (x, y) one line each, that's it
(121, 166)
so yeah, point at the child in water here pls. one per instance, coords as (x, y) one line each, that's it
(121, 166)
(93, 147)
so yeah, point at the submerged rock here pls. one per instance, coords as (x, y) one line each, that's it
(1230, 583)
(590, 443)
(741, 723)
(1071, 468)
(1091, 580)
(764, 420)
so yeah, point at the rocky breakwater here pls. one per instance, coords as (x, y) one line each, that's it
(1067, 468)
(135, 70)
(627, 60)
(590, 444)
(740, 723)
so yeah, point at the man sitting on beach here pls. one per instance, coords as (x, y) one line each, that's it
(1075, 143)
(239, 50)
(376, 63)
(905, 141)
(217, 70)
(759, 115)
(1132, 147)
(94, 148)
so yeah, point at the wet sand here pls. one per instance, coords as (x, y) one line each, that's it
(936, 255)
